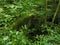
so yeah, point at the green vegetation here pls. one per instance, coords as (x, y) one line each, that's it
(29, 22)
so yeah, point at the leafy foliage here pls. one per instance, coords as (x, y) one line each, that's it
(29, 22)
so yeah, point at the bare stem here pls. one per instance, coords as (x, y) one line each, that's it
(46, 11)
(56, 12)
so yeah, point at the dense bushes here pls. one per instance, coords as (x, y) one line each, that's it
(29, 22)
